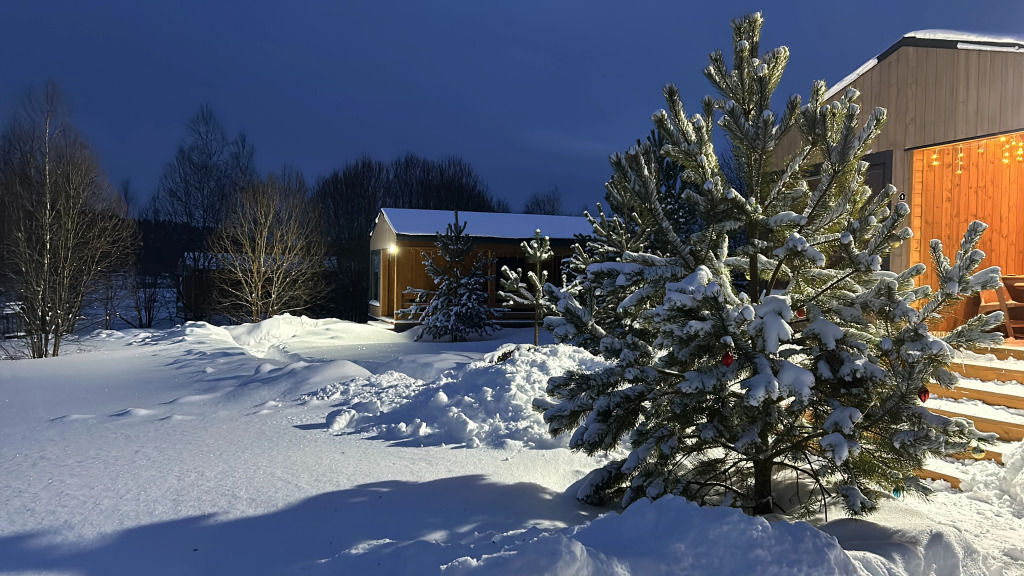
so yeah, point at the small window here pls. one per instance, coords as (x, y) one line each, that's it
(375, 276)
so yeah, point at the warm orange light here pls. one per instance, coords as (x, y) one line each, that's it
(965, 152)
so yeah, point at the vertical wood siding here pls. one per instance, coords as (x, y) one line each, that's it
(942, 95)
(973, 180)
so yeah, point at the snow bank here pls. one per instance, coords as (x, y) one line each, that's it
(485, 402)
(359, 400)
(260, 336)
(885, 550)
(286, 382)
(670, 536)
(1000, 486)
(272, 338)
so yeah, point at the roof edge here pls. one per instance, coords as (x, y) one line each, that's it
(944, 39)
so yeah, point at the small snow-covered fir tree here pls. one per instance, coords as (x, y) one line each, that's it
(530, 293)
(457, 308)
(795, 353)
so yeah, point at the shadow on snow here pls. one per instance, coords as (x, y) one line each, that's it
(389, 527)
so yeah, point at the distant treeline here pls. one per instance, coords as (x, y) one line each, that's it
(232, 243)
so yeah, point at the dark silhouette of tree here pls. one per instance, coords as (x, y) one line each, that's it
(196, 189)
(549, 202)
(349, 200)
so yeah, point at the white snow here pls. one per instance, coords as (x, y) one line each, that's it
(961, 36)
(772, 323)
(325, 447)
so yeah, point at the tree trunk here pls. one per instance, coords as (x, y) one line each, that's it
(763, 487)
(754, 290)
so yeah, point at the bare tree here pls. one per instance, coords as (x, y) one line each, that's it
(549, 202)
(270, 251)
(66, 224)
(196, 189)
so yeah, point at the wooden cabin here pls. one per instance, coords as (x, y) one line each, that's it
(401, 236)
(953, 142)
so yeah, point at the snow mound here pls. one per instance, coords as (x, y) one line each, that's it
(896, 551)
(295, 378)
(670, 536)
(1001, 486)
(362, 398)
(264, 339)
(426, 367)
(273, 337)
(485, 402)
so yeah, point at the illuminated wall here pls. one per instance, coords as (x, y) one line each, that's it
(954, 184)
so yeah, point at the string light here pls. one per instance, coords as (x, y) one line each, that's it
(958, 153)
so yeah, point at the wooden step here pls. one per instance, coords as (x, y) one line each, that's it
(987, 396)
(1005, 430)
(927, 474)
(986, 372)
(1005, 352)
(1008, 432)
(994, 453)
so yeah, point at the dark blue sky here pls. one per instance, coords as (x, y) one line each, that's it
(533, 94)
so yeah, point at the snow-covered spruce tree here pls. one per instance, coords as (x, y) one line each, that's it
(530, 293)
(457, 308)
(588, 304)
(815, 368)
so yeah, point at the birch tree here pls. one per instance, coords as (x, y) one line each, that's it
(65, 225)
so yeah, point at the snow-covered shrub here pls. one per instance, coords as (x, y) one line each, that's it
(457, 308)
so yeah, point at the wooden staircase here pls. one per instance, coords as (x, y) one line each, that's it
(996, 389)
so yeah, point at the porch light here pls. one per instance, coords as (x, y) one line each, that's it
(393, 249)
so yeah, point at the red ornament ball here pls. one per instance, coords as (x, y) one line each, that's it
(727, 359)
(923, 394)
(800, 313)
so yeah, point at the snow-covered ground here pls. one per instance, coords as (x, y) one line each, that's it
(300, 446)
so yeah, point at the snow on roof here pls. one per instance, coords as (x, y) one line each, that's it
(842, 84)
(485, 224)
(937, 39)
(958, 36)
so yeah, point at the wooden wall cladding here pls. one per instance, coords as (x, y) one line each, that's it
(973, 180)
